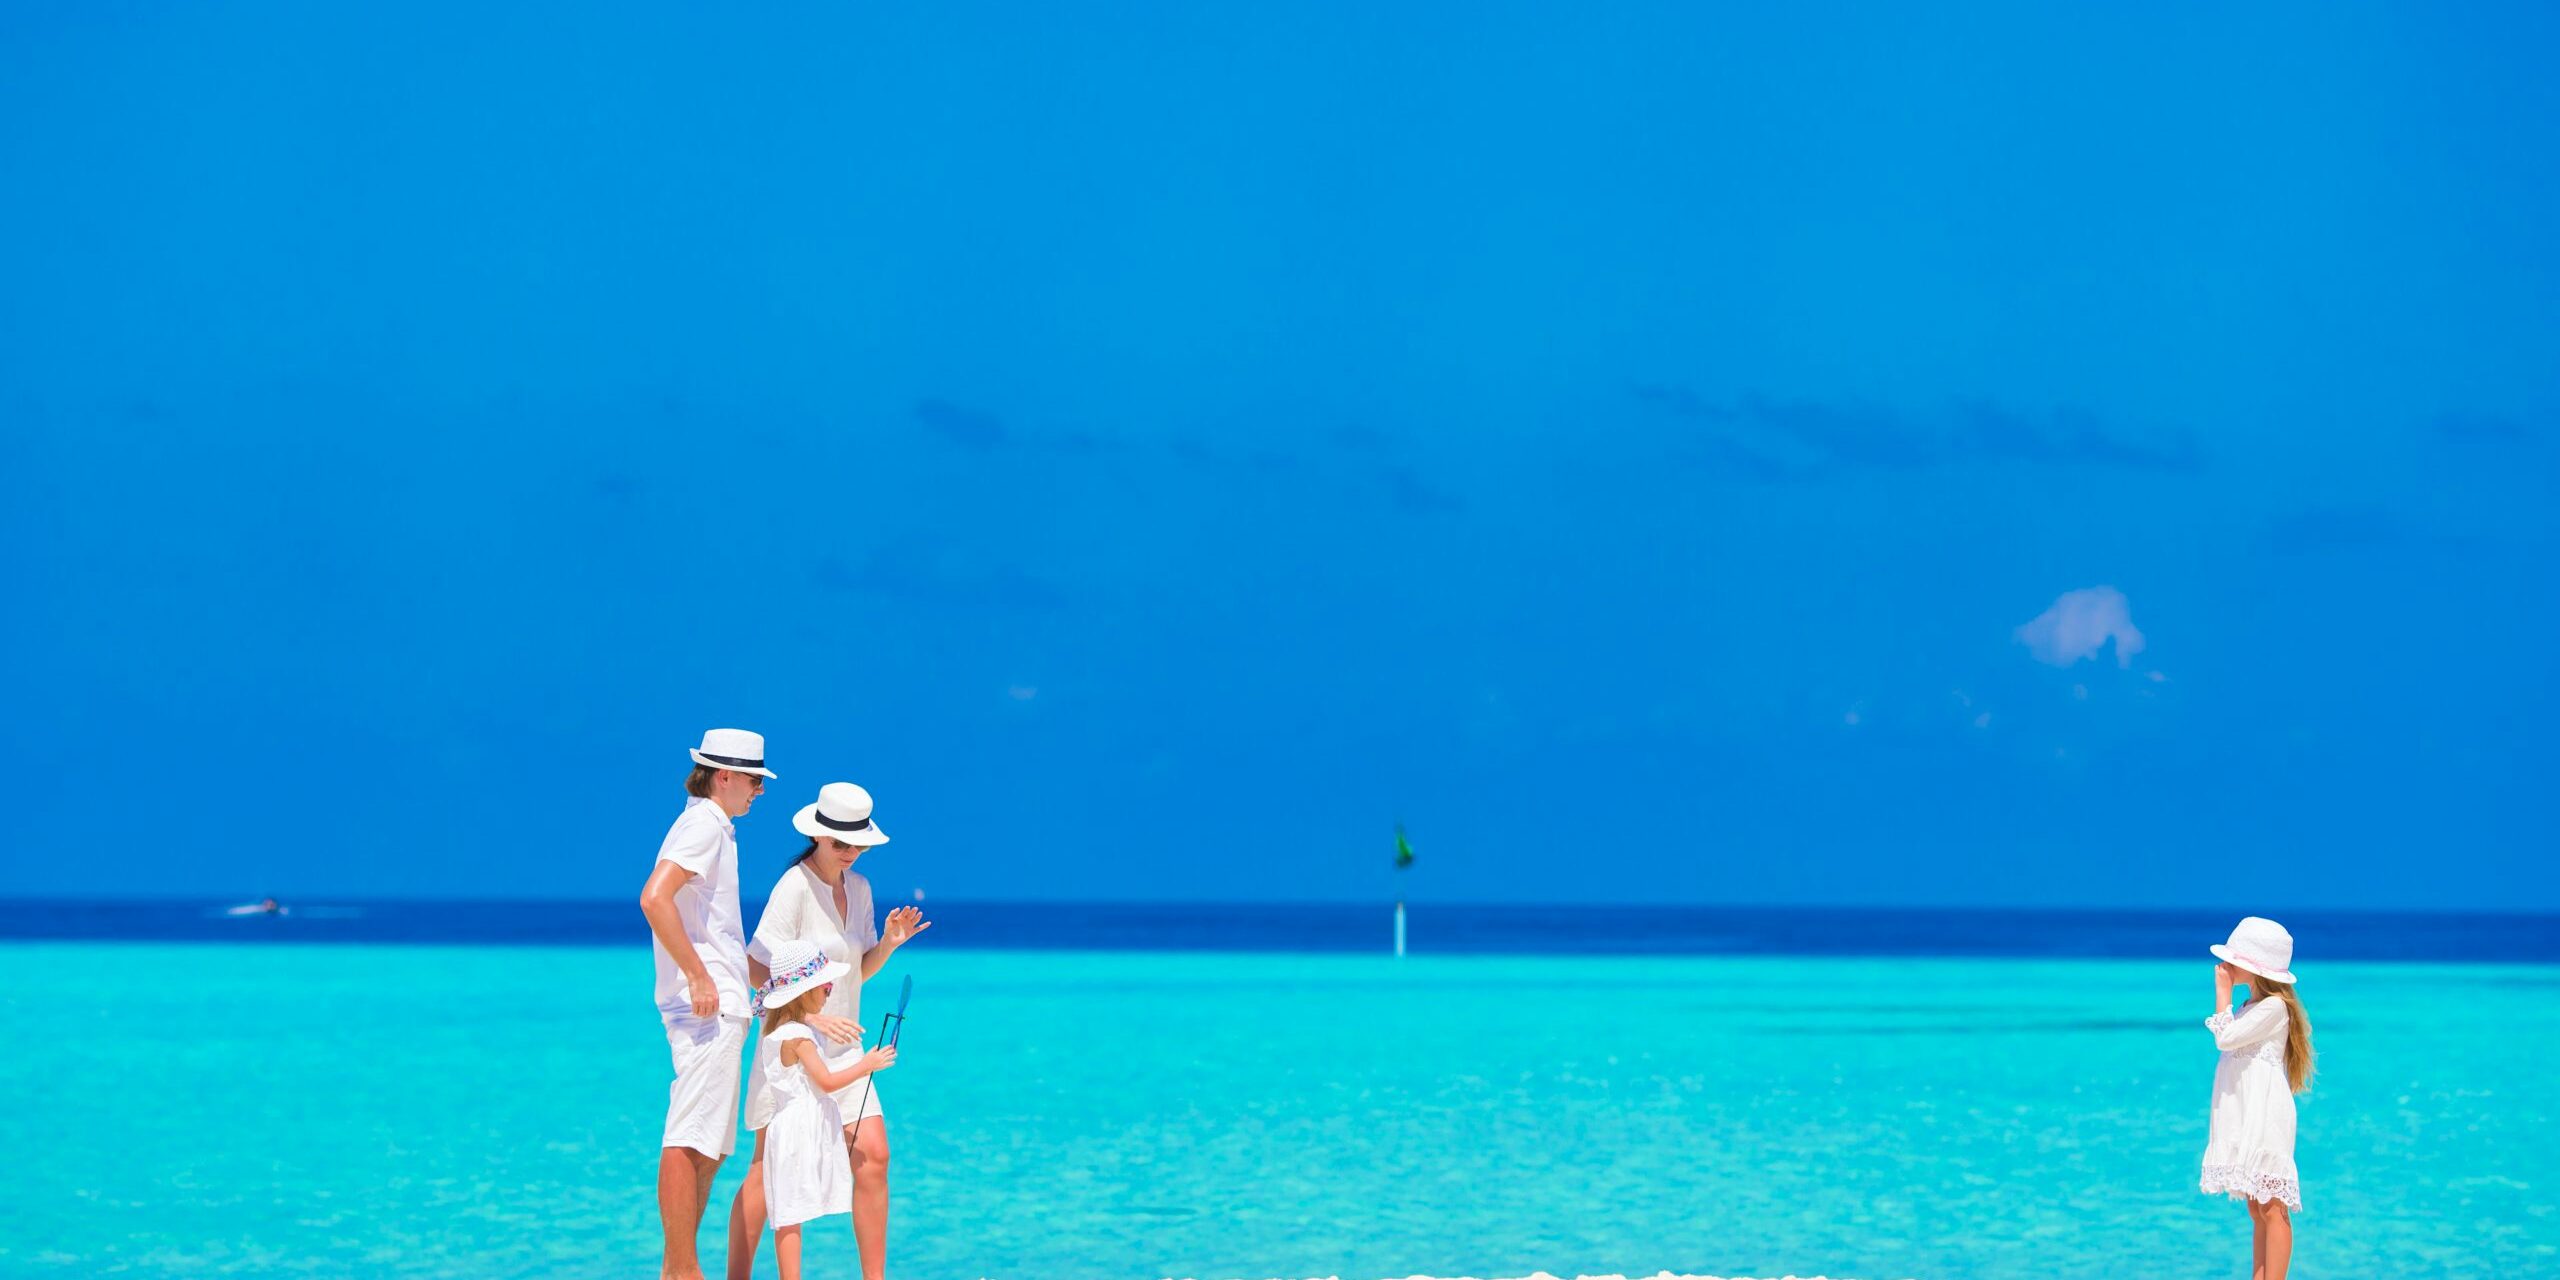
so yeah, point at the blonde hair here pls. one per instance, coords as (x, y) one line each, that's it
(801, 1006)
(2298, 1057)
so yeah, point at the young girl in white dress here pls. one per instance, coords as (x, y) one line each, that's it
(807, 1172)
(2266, 1059)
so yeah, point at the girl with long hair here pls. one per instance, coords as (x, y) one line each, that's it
(2266, 1060)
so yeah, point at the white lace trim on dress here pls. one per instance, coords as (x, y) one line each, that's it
(2244, 1184)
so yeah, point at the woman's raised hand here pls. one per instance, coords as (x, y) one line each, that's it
(904, 923)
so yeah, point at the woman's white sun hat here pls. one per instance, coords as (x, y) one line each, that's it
(843, 812)
(2260, 946)
(798, 966)
(734, 749)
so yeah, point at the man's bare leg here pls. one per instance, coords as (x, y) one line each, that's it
(684, 1187)
(870, 1154)
(746, 1217)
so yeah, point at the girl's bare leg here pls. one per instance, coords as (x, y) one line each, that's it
(786, 1251)
(2276, 1222)
(870, 1152)
(2257, 1242)
(746, 1217)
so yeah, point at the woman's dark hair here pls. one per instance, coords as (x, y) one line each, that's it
(804, 854)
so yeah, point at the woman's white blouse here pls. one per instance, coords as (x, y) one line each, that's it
(803, 908)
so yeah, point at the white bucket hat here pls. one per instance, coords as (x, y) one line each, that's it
(843, 811)
(2260, 946)
(798, 966)
(734, 749)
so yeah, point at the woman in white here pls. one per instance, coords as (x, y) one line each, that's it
(822, 901)
(2266, 1059)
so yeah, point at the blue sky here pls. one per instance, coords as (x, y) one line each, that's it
(1157, 450)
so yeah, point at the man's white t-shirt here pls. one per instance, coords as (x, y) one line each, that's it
(704, 842)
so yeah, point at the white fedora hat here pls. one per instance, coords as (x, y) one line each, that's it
(843, 811)
(734, 749)
(798, 966)
(2260, 946)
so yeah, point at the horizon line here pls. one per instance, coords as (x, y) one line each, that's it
(318, 900)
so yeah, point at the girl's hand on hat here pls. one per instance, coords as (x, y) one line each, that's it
(2222, 984)
(840, 1030)
(880, 1059)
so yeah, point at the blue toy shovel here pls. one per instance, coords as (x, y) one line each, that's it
(889, 1028)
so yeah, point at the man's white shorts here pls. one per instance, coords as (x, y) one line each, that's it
(702, 1105)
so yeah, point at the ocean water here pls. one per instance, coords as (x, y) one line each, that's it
(336, 1109)
(1364, 928)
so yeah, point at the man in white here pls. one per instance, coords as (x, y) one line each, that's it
(691, 902)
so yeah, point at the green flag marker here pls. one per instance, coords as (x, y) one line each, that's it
(1404, 858)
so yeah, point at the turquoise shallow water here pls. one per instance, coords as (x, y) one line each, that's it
(444, 1111)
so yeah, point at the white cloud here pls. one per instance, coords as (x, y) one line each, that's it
(2079, 624)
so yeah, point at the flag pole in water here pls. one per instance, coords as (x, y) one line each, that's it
(889, 1028)
(1404, 859)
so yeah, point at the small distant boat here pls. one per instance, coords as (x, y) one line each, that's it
(262, 907)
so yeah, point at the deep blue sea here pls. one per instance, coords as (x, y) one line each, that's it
(1365, 928)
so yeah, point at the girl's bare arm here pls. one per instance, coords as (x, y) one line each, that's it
(804, 1055)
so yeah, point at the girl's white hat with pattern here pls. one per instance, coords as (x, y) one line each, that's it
(798, 966)
(2260, 946)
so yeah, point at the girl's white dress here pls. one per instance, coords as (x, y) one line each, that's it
(2249, 1151)
(806, 1171)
